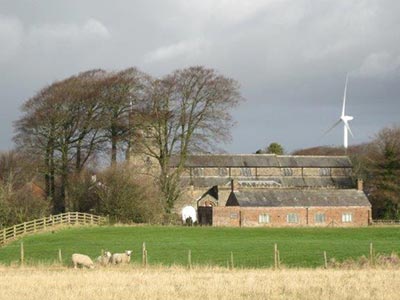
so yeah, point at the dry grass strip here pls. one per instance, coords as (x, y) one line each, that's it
(132, 282)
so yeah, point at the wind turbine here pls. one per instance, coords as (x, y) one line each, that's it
(345, 119)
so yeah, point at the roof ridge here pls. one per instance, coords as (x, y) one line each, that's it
(265, 154)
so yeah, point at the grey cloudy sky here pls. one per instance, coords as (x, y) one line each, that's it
(290, 57)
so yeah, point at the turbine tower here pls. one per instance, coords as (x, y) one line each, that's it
(345, 119)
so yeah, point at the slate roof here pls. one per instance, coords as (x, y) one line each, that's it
(284, 181)
(295, 197)
(263, 160)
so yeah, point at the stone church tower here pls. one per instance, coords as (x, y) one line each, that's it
(142, 148)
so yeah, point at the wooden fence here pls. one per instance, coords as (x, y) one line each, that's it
(70, 218)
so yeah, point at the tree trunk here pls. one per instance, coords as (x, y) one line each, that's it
(114, 139)
(60, 201)
(78, 158)
(49, 172)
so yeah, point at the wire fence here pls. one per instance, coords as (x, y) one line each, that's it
(385, 222)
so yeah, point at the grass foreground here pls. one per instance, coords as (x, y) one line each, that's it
(130, 282)
(209, 246)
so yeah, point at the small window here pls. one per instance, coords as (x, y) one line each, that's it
(222, 172)
(347, 217)
(325, 172)
(198, 171)
(245, 171)
(234, 215)
(287, 172)
(319, 218)
(148, 162)
(293, 218)
(264, 218)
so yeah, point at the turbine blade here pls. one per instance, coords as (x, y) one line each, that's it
(333, 126)
(348, 127)
(344, 95)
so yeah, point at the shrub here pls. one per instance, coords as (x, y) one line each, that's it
(127, 197)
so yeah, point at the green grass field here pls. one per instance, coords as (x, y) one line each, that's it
(251, 247)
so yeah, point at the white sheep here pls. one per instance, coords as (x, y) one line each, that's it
(118, 258)
(82, 260)
(104, 259)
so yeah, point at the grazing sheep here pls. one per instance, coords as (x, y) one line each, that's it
(82, 260)
(104, 259)
(118, 258)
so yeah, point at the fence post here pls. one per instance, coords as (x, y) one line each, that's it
(24, 227)
(34, 225)
(371, 254)
(279, 259)
(44, 223)
(190, 260)
(325, 261)
(22, 253)
(4, 235)
(232, 264)
(275, 256)
(15, 231)
(77, 218)
(91, 219)
(52, 220)
(144, 254)
(59, 256)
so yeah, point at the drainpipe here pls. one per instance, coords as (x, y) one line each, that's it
(307, 215)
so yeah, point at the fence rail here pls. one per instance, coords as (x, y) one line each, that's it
(70, 218)
(385, 222)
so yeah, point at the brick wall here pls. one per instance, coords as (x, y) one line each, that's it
(278, 216)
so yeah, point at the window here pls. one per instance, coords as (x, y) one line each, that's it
(148, 162)
(319, 218)
(222, 172)
(287, 172)
(347, 217)
(293, 218)
(264, 218)
(234, 215)
(198, 171)
(325, 172)
(245, 171)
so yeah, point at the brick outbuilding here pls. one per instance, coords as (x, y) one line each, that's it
(294, 207)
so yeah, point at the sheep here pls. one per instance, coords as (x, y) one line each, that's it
(82, 260)
(118, 258)
(104, 259)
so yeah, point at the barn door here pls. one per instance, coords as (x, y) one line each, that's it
(205, 215)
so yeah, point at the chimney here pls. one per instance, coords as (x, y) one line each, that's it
(233, 185)
(360, 185)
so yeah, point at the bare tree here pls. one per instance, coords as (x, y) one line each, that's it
(60, 125)
(121, 92)
(188, 111)
(68, 122)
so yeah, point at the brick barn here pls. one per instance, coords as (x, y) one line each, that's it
(272, 190)
(291, 207)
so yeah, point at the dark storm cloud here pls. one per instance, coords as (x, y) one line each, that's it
(291, 57)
